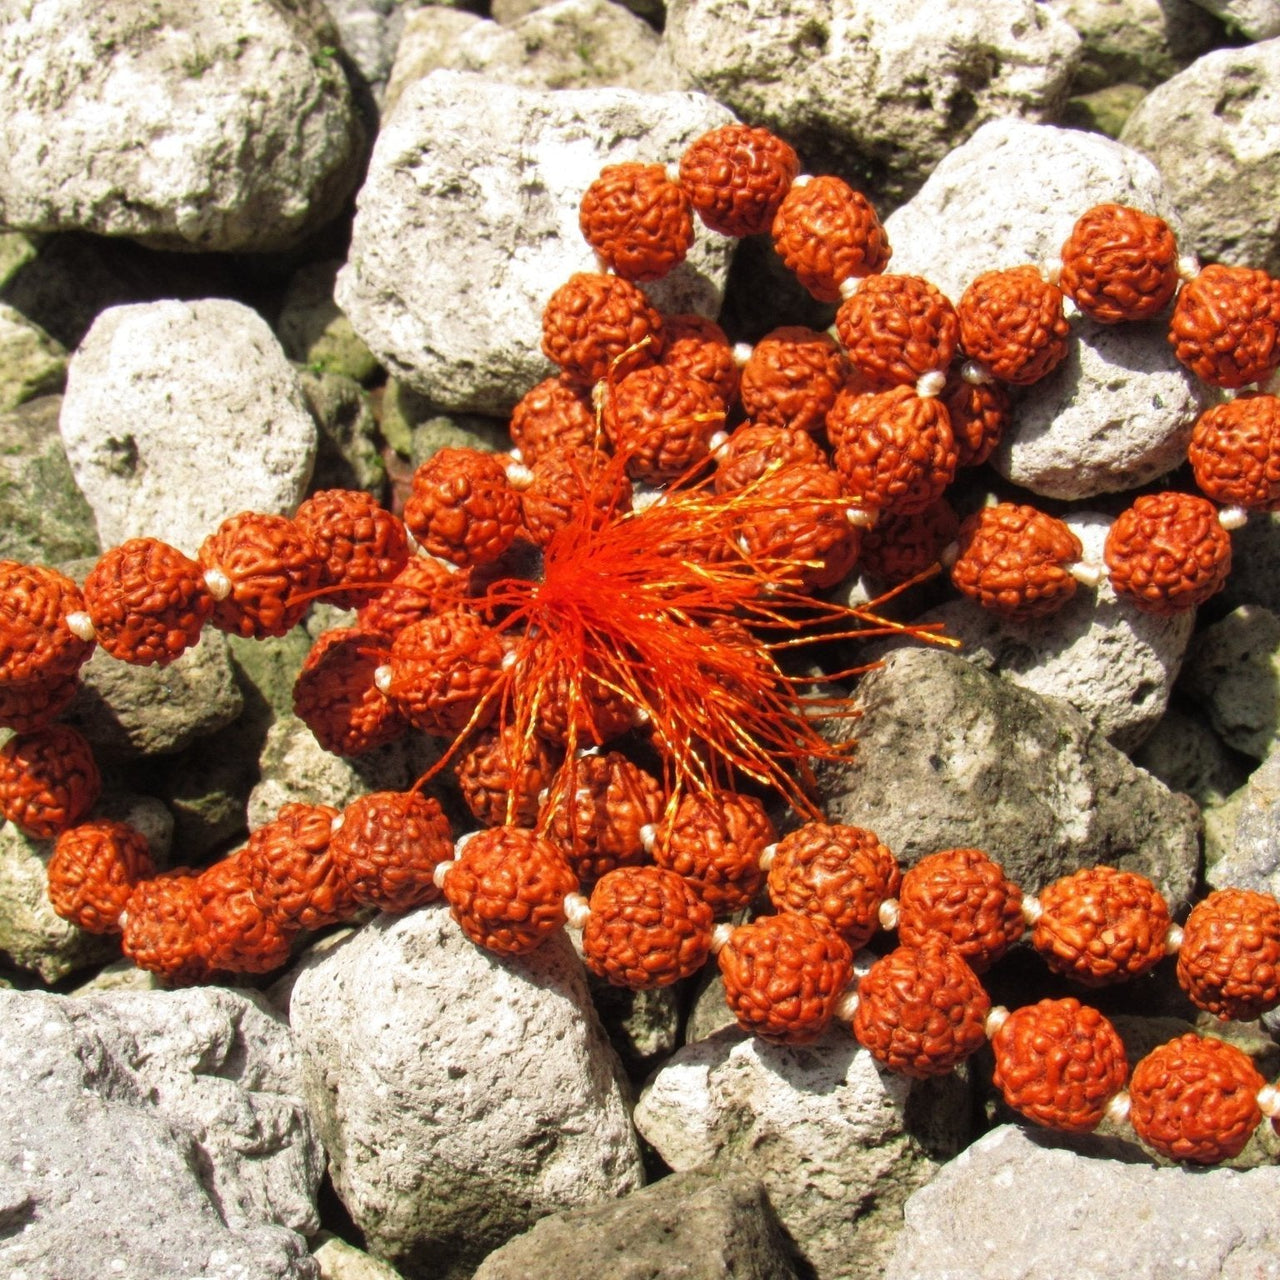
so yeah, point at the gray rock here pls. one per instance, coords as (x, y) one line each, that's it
(838, 1145)
(1214, 131)
(31, 362)
(1255, 19)
(314, 332)
(16, 250)
(949, 756)
(1016, 1204)
(1103, 111)
(456, 431)
(881, 89)
(702, 1226)
(1250, 853)
(497, 172)
(157, 1134)
(218, 127)
(370, 32)
(1187, 756)
(440, 1155)
(339, 1260)
(180, 414)
(347, 452)
(643, 1026)
(1255, 563)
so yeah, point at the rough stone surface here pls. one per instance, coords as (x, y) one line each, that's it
(339, 1260)
(370, 33)
(496, 172)
(1255, 564)
(1103, 111)
(880, 90)
(1187, 756)
(838, 1145)
(157, 1134)
(1019, 1205)
(1214, 131)
(218, 126)
(180, 414)
(698, 1225)
(313, 331)
(950, 756)
(1249, 856)
(442, 1154)
(1256, 19)
(31, 362)
(347, 452)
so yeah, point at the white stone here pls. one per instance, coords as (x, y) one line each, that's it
(496, 173)
(180, 414)
(1256, 19)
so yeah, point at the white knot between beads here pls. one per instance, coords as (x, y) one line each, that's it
(1231, 518)
(888, 913)
(80, 625)
(1173, 940)
(1188, 266)
(1050, 270)
(931, 384)
(1031, 908)
(382, 678)
(767, 855)
(576, 910)
(1118, 1108)
(801, 180)
(218, 583)
(648, 836)
(519, 476)
(1268, 1099)
(847, 1005)
(335, 823)
(441, 873)
(994, 1020)
(975, 374)
(860, 517)
(849, 287)
(742, 353)
(720, 935)
(1086, 573)
(717, 442)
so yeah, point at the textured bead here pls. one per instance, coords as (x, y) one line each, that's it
(159, 930)
(1012, 323)
(234, 933)
(94, 868)
(921, 1010)
(1226, 325)
(827, 233)
(783, 976)
(273, 568)
(756, 448)
(979, 413)
(1059, 1063)
(565, 478)
(1101, 925)
(425, 586)
(1119, 264)
(1014, 561)
(698, 346)
(362, 545)
(35, 641)
(557, 411)
(1229, 960)
(715, 840)
(1195, 1099)
(463, 507)
(598, 715)
(334, 694)
(148, 602)
(894, 449)
(964, 897)
(646, 929)
(592, 320)
(32, 704)
(896, 328)
(1235, 452)
(388, 847)
(736, 177)
(507, 889)
(502, 774)
(792, 378)
(637, 220)
(837, 873)
(900, 546)
(1167, 552)
(291, 872)
(48, 780)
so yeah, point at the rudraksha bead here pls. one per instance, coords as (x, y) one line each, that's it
(1195, 1099)
(783, 976)
(48, 780)
(32, 704)
(94, 868)
(755, 448)
(646, 929)
(1226, 325)
(1119, 264)
(1235, 452)
(898, 547)
(592, 320)
(792, 378)
(979, 413)
(961, 895)
(35, 641)
(1101, 925)
(827, 233)
(148, 602)
(160, 926)
(1014, 560)
(362, 544)
(292, 874)
(736, 177)
(1012, 323)
(1168, 552)
(502, 774)
(698, 346)
(272, 570)
(565, 479)
(336, 697)
(599, 713)
(661, 420)
(557, 411)
(507, 889)
(234, 933)
(837, 873)
(1229, 959)
(388, 846)
(897, 328)
(637, 220)
(1059, 1063)
(463, 507)
(425, 586)
(921, 1010)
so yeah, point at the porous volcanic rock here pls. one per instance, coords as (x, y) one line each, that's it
(1250, 858)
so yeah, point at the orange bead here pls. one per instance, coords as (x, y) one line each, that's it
(783, 976)
(48, 780)
(1226, 326)
(425, 586)
(827, 233)
(557, 411)
(637, 220)
(661, 420)
(979, 414)
(736, 177)
(1195, 1099)
(1015, 560)
(463, 507)
(1235, 452)
(897, 328)
(1059, 1063)
(35, 642)
(1012, 323)
(756, 448)
(160, 928)
(921, 1010)
(507, 889)
(1167, 552)
(1101, 925)
(962, 896)
(335, 695)
(599, 714)
(593, 320)
(291, 872)
(698, 346)
(362, 544)
(32, 704)
(502, 774)
(646, 929)
(94, 868)
(234, 934)
(792, 378)
(900, 546)
(1119, 264)
(1229, 960)
(565, 479)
